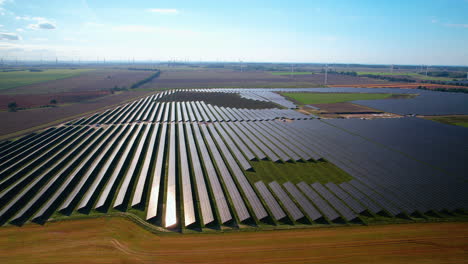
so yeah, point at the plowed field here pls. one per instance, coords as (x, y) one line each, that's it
(117, 240)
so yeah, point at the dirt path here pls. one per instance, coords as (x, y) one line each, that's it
(117, 240)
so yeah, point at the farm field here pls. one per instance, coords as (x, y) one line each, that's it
(218, 78)
(457, 120)
(413, 75)
(329, 98)
(291, 73)
(89, 80)
(25, 101)
(14, 79)
(118, 240)
(396, 85)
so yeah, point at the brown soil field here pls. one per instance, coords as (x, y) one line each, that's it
(38, 100)
(118, 240)
(25, 121)
(229, 78)
(97, 80)
(219, 99)
(397, 85)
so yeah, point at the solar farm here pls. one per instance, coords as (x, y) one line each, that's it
(191, 165)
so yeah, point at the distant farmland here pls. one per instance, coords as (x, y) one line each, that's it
(291, 73)
(87, 80)
(409, 74)
(19, 78)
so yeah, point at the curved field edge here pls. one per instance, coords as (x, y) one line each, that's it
(115, 239)
(15, 79)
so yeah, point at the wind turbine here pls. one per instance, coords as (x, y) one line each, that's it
(326, 73)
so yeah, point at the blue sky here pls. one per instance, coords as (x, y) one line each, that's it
(433, 32)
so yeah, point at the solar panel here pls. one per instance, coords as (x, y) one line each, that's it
(286, 201)
(196, 112)
(179, 112)
(201, 109)
(104, 169)
(108, 142)
(245, 150)
(218, 193)
(239, 175)
(323, 206)
(231, 187)
(308, 208)
(171, 206)
(144, 172)
(12, 154)
(29, 162)
(246, 140)
(345, 197)
(200, 184)
(189, 211)
(185, 116)
(271, 202)
(62, 163)
(84, 157)
(335, 202)
(131, 168)
(258, 139)
(156, 175)
(237, 153)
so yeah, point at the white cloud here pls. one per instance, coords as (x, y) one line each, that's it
(9, 36)
(45, 25)
(457, 25)
(164, 11)
(19, 29)
(40, 39)
(41, 22)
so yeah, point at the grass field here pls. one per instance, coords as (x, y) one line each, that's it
(118, 240)
(309, 172)
(457, 120)
(291, 73)
(328, 98)
(19, 78)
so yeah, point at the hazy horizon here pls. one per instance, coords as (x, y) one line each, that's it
(360, 32)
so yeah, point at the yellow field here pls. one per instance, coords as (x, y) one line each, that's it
(118, 240)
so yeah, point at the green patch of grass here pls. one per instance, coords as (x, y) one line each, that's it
(291, 73)
(457, 120)
(309, 172)
(328, 98)
(19, 78)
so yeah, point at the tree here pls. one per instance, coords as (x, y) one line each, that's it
(12, 106)
(53, 101)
